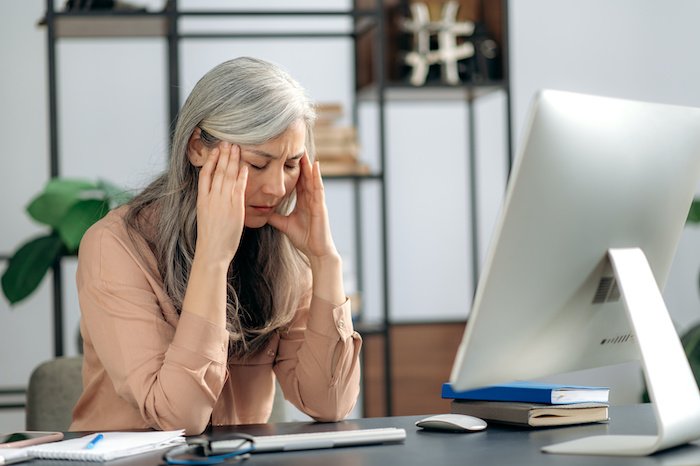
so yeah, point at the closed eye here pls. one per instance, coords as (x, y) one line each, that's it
(257, 167)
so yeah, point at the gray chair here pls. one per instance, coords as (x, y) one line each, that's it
(54, 388)
(279, 406)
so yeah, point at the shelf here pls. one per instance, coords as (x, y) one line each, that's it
(356, 13)
(13, 398)
(132, 25)
(430, 92)
(373, 176)
(369, 328)
(96, 24)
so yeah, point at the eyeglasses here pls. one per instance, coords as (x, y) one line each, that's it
(198, 451)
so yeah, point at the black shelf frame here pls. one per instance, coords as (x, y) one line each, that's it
(382, 91)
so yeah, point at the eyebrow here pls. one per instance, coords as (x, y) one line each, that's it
(262, 153)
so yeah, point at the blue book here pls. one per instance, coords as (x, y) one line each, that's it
(532, 392)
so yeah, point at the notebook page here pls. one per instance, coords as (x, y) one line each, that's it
(113, 445)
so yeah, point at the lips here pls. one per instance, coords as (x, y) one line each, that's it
(263, 208)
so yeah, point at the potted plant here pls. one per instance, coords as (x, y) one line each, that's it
(68, 207)
(691, 338)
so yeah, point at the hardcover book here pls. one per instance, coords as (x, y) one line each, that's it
(532, 414)
(532, 392)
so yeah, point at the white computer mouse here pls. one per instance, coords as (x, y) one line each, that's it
(452, 423)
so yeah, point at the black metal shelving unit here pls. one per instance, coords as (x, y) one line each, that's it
(165, 24)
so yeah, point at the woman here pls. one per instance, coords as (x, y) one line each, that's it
(215, 279)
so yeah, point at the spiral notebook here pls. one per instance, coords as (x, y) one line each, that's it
(111, 446)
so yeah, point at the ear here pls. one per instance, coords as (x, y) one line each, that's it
(197, 151)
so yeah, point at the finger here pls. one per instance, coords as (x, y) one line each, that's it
(279, 222)
(318, 193)
(205, 174)
(236, 153)
(306, 181)
(220, 171)
(318, 179)
(239, 189)
(232, 167)
(306, 167)
(299, 185)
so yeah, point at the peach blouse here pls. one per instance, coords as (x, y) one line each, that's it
(145, 366)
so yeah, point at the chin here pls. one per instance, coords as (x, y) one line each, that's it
(257, 222)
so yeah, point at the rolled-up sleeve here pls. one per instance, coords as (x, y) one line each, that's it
(318, 360)
(171, 374)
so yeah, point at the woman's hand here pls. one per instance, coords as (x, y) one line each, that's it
(307, 226)
(220, 205)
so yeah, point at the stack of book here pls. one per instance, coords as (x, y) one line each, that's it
(531, 404)
(336, 145)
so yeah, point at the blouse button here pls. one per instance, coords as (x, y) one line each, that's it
(341, 324)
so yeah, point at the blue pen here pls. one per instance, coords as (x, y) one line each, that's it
(91, 444)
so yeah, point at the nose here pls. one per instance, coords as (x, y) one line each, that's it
(273, 182)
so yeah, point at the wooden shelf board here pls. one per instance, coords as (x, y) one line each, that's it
(68, 26)
(404, 92)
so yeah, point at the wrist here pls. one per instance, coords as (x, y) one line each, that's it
(328, 261)
(211, 258)
(206, 290)
(327, 273)
(209, 266)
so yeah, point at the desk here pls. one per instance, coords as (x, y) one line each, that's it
(497, 445)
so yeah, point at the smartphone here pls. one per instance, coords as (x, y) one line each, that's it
(28, 437)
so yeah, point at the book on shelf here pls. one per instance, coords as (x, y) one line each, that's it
(533, 392)
(328, 112)
(337, 154)
(336, 146)
(330, 168)
(335, 135)
(532, 414)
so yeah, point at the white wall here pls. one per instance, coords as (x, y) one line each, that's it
(113, 112)
(25, 335)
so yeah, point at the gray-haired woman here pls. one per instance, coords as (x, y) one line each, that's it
(221, 274)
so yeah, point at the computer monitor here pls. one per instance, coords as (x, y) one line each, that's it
(593, 212)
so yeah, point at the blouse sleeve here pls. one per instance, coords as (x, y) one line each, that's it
(318, 360)
(172, 374)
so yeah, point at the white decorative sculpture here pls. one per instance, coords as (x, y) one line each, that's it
(448, 53)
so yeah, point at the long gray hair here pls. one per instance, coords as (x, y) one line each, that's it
(244, 101)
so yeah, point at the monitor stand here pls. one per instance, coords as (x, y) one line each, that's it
(670, 382)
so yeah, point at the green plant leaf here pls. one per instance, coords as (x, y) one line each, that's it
(694, 212)
(116, 195)
(28, 265)
(58, 196)
(79, 218)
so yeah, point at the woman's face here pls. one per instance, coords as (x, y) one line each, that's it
(273, 171)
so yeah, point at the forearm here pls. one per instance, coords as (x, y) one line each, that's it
(327, 273)
(206, 291)
(318, 361)
(170, 376)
